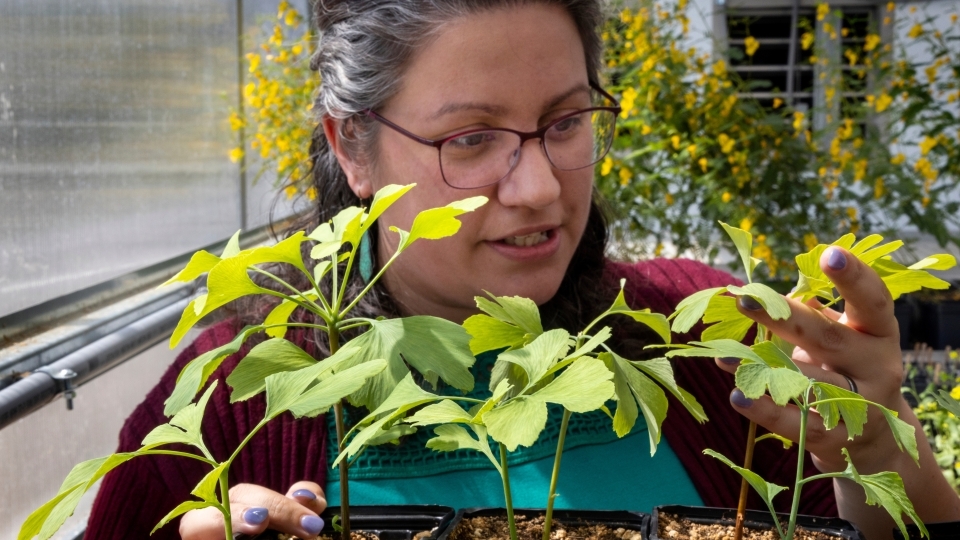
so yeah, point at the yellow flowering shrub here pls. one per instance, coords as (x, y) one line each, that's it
(697, 151)
(941, 427)
(274, 122)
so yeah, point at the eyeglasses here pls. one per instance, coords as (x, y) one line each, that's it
(482, 157)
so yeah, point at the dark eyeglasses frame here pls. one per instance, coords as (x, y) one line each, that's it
(524, 135)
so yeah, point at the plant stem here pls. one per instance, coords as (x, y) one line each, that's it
(548, 521)
(801, 443)
(341, 446)
(744, 485)
(225, 503)
(508, 499)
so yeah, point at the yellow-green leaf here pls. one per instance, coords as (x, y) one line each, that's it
(518, 422)
(744, 243)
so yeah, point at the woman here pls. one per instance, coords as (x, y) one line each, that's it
(400, 74)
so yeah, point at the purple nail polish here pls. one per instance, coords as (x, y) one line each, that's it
(312, 524)
(255, 515)
(750, 303)
(304, 494)
(740, 400)
(836, 259)
(730, 361)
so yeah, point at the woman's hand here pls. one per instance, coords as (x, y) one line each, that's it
(862, 344)
(254, 508)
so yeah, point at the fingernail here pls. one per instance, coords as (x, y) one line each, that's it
(730, 361)
(304, 494)
(312, 524)
(740, 400)
(836, 259)
(255, 515)
(750, 303)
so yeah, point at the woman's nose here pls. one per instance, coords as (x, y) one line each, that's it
(532, 181)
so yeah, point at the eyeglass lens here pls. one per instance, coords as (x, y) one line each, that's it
(482, 158)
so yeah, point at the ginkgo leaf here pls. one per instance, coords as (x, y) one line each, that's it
(655, 321)
(272, 356)
(518, 422)
(865, 243)
(334, 388)
(489, 334)
(539, 356)
(453, 437)
(852, 409)
(181, 509)
(660, 370)
(520, 312)
(773, 303)
(206, 489)
(200, 263)
(634, 389)
(730, 323)
(184, 427)
(444, 412)
(383, 199)
(437, 223)
(584, 386)
(325, 249)
(885, 489)
(945, 400)
(743, 240)
(756, 378)
(691, 309)
(941, 261)
(435, 347)
(280, 315)
(773, 356)
(903, 433)
(198, 370)
(718, 348)
(232, 249)
(766, 490)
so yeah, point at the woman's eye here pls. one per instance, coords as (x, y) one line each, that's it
(471, 140)
(567, 124)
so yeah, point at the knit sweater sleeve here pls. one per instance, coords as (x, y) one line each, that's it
(660, 284)
(134, 497)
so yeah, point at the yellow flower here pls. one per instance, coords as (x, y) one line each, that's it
(822, 11)
(692, 149)
(810, 241)
(751, 45)
(726, 143)
(872, 41)
(606, 166)
(806, 40)
(883, 102)
(859, 170)
(669, 198)
(312, 193)
(703, 164)
(254, 60)
(236, 123)
(955, 393)
(890, 6)
(290, 191)
(898, 159)
(954, 355)
(879, 188)
(625, 176)
(726, 197)
(291, 17)
(675, 141)
(646, 130)
(915, 31)
(852, 212)
(926, 145)
(777, 102)
(798, 120)
(746, 224)
(297, 49)
(236, 154)
(953, 18)
(658, 250)
(720, 68)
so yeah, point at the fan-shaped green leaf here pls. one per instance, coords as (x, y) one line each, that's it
(660, 370)
(743, 240)
(181, 509)
(272, 356)
(773, 303)
(852, 409)
(766, 490)
(885, 489)
(520, 312)
(332, 389)
(518, 422)
(490, 334)
(584, 386)
(691, 309)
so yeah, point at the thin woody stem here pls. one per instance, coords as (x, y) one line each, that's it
(744, 486)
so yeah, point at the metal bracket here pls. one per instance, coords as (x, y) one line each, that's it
(64, 379)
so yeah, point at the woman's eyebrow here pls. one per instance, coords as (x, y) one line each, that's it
(499, 110)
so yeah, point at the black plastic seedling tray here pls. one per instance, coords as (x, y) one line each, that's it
(938, 531)
(401, 522)
(840, 528)
(635, 521)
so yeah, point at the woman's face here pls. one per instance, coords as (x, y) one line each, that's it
(514, 68)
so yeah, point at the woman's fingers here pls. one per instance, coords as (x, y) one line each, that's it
(255, 508)
(868, 305)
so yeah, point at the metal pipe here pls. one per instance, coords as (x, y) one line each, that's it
(45, 384)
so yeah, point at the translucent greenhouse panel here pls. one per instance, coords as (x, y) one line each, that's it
(113, 138)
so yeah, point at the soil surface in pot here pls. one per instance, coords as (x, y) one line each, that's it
(497, 528)
(354, 535)
(672, 527)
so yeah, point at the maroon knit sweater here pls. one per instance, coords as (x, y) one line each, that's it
(133, 498)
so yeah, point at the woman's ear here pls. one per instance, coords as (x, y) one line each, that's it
(356, 179)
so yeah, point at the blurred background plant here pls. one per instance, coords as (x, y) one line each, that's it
(924, 380)
(692, 149)
(274, 124)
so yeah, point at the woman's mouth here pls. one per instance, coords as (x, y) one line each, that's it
(528, 247)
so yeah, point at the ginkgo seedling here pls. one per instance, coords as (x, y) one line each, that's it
(534, 367)
(766, 367)
(365, 370)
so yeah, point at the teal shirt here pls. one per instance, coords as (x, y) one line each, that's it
(598, 471)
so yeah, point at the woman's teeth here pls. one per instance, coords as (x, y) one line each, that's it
(526, 241)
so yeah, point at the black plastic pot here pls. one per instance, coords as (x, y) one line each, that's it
(907, 312)
(402, 522)
(756, 519)
(634, 521)
(940, 322)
